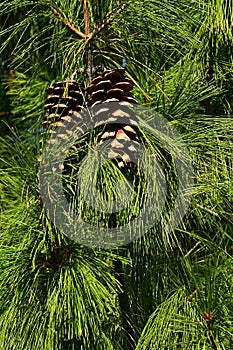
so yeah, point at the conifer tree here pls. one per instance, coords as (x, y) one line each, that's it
(166, 289)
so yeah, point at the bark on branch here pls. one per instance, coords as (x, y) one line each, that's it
(68, 24)
(109, 18)
(90, 34)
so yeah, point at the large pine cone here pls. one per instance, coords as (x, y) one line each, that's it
(66, 99)
(110, 99)
(112, 102)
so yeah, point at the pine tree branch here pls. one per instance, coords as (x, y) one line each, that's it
(88, 34)
(86, 17)
(123, 297)
(209, 211)
(109, 17)
(212, 341)
(124, 305)
(68, 24)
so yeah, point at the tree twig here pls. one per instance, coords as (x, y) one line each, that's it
(68, 24)
(192, 295)
(209, 211)
(88, 34)
(123, 297)
(86, 18)
(109, 18)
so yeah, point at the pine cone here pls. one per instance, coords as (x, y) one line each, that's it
(63, 105)
(112, 101)
(66, 97)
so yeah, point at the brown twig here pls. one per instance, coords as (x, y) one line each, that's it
(209, 318)
(124, 304)
(192, 295)
(86, 18)
(209, 211)
(89, 54)
(68, 24)
(88, 34)
(109, 18)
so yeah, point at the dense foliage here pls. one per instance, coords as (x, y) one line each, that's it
(179, 288)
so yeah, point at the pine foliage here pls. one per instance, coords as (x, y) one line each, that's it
(58, 294)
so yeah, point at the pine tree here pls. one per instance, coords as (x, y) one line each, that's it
(166, 290)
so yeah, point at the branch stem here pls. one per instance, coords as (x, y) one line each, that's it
(109, 18)
(89, 35)
(68, 24)
(86, 18)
